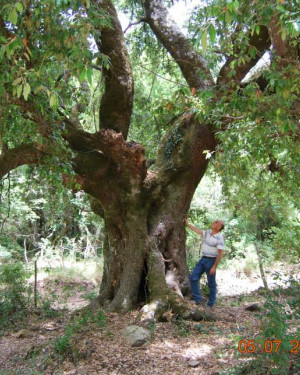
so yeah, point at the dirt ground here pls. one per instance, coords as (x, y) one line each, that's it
(177, 347)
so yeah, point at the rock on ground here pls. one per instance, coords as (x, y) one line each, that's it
(135, 335)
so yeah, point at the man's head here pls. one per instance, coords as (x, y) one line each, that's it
(217, 226)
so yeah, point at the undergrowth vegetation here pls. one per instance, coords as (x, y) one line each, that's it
(63, 344)
(275, 347)
(21, 295)
(15, 296)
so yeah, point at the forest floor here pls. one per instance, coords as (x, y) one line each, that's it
(48, 342)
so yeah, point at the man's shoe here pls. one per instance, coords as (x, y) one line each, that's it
(210, 308)
(199, 303)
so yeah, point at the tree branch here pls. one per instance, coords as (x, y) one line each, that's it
(162, 77)
(134, 24)
(26, 107)
(104, 147)
(282, 47)
(129, 156)
(117, 101)
(27, 153)
(191, 64)
(181, 155)
(261, 42)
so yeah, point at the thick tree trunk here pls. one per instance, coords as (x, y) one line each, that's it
(124, 256)
(144, 258)
(144, 247)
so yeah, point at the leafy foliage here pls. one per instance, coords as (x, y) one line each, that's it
(50, 69)
(15, 293)
(276, 326)
(47, 216)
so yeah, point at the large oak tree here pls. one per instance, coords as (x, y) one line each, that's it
(46, 63)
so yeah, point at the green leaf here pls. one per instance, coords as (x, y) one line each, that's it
(13, 16)
(19, 90)
(236, 4)
(286, 127)
(9, 50)
(105, 61)
(26, 90)
(293, 127)
(38, 89)
(3, 39)
(252, 52)
(17, 81)
(230, 6)
(82, 75)
(281, 8)
(89, 75)
(19, 7)
(212, 33)
(228, 17)
(204, 41)
(2, 51)
(27, 56)
(53, 100)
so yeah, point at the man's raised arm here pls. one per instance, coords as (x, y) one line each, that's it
(195, 229)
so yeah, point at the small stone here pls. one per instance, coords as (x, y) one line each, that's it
(72, 372)
(198, 315)
(136, 336)
(49, 327)
(193, 363)
(253, 307)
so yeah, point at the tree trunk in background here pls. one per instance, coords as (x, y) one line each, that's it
(261, 267)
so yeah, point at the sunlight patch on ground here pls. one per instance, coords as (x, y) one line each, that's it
(235, 281)
(196, 351)
(90, 270)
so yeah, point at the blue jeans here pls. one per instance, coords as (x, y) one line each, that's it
(204, 265)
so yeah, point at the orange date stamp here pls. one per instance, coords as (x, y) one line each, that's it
(269, 346)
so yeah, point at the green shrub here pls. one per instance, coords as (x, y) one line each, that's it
(275, 326)
(278, 323)
(15, 292)
(46, 309)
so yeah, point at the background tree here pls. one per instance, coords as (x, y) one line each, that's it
(47, 214)
(47, 61)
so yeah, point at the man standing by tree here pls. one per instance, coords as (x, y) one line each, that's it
(212, 250)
